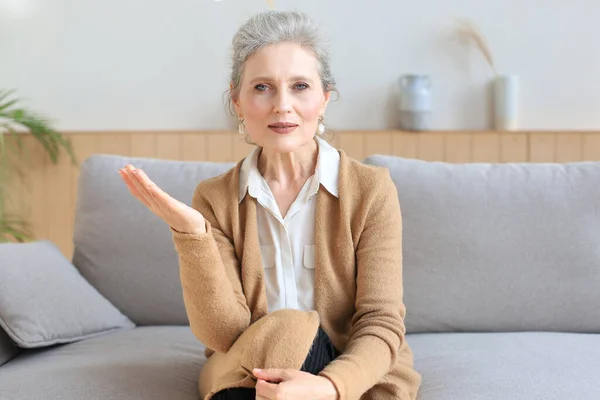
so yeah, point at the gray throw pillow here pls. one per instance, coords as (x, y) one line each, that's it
(44, 300)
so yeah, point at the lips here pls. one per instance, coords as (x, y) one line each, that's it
(283, 127)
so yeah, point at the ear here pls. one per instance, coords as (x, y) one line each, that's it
(327, 96)
(238, 109)
(236, 103)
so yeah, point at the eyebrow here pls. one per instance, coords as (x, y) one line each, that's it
(294, 78)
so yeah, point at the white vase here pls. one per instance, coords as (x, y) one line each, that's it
(506, 96)
(415, 102)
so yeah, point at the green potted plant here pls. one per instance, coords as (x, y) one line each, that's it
(15, 121)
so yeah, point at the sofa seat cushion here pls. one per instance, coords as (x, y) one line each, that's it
(503, 366)
(145, 363)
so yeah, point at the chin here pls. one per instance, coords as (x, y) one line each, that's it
(284, 143)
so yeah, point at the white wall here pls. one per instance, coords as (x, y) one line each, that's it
(158, 64)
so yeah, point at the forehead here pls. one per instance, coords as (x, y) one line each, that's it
(281, 61)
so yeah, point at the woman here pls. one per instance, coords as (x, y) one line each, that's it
(290, 262)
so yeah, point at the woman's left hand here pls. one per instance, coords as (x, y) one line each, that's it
(289, 384)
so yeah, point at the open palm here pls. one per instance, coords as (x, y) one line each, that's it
(176, 214)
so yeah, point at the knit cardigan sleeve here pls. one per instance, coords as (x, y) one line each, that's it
(378, 329)
(211, 282)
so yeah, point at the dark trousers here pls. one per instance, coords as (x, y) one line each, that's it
(321, 353)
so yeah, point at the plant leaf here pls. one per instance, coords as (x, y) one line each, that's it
(39, 127)
(14, 229)
(18, 140)
(8, 104)
(5, 94)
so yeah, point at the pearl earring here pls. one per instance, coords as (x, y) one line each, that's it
(241, 126)
(321, 126)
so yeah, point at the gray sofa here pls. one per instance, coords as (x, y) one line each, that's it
(501, 278)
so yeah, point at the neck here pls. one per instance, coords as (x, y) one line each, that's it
(287, 168)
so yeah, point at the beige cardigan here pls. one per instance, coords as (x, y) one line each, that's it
(358, 289)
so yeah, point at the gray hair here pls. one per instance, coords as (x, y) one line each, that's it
(272, 27)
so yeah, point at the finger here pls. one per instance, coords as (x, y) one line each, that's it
(155, 190)
(129, 183)
(131, 186)
(136, 189)
(266, 389)
(140, 176)
(159, 197)
(272, 375)
(132, 173)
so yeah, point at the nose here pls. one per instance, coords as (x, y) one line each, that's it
(282, 103)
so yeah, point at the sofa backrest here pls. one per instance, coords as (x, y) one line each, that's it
(499, 247)
(487, 247)
(123, 249)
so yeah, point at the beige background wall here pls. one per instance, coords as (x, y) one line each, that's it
(156, 64)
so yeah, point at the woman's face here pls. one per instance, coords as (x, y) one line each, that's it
(281, 97)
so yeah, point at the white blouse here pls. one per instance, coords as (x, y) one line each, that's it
(288, 244)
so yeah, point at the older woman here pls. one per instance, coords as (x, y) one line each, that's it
(291, 262)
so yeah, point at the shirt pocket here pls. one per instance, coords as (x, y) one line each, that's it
(267, 253)
(308, 257)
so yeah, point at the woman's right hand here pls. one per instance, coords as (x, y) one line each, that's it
(176, 214)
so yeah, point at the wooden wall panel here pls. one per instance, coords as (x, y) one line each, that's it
(49, 192)
(542, 147)
(514, 147)
(458, 147)
(377, 143)
(591, 147)
(431, 147)
(114, 143)
(34, 187)
(485, 147)
(12, 179)
(168, 146)
(219, 147)
(405, 145)
(142, 145)
(193, 147)
(353, 144)
(569, 147)
(58, 205)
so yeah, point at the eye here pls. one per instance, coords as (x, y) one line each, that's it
(301, 86)
(261, 87)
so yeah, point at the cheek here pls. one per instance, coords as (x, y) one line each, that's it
(255, 106)
(310, 109)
